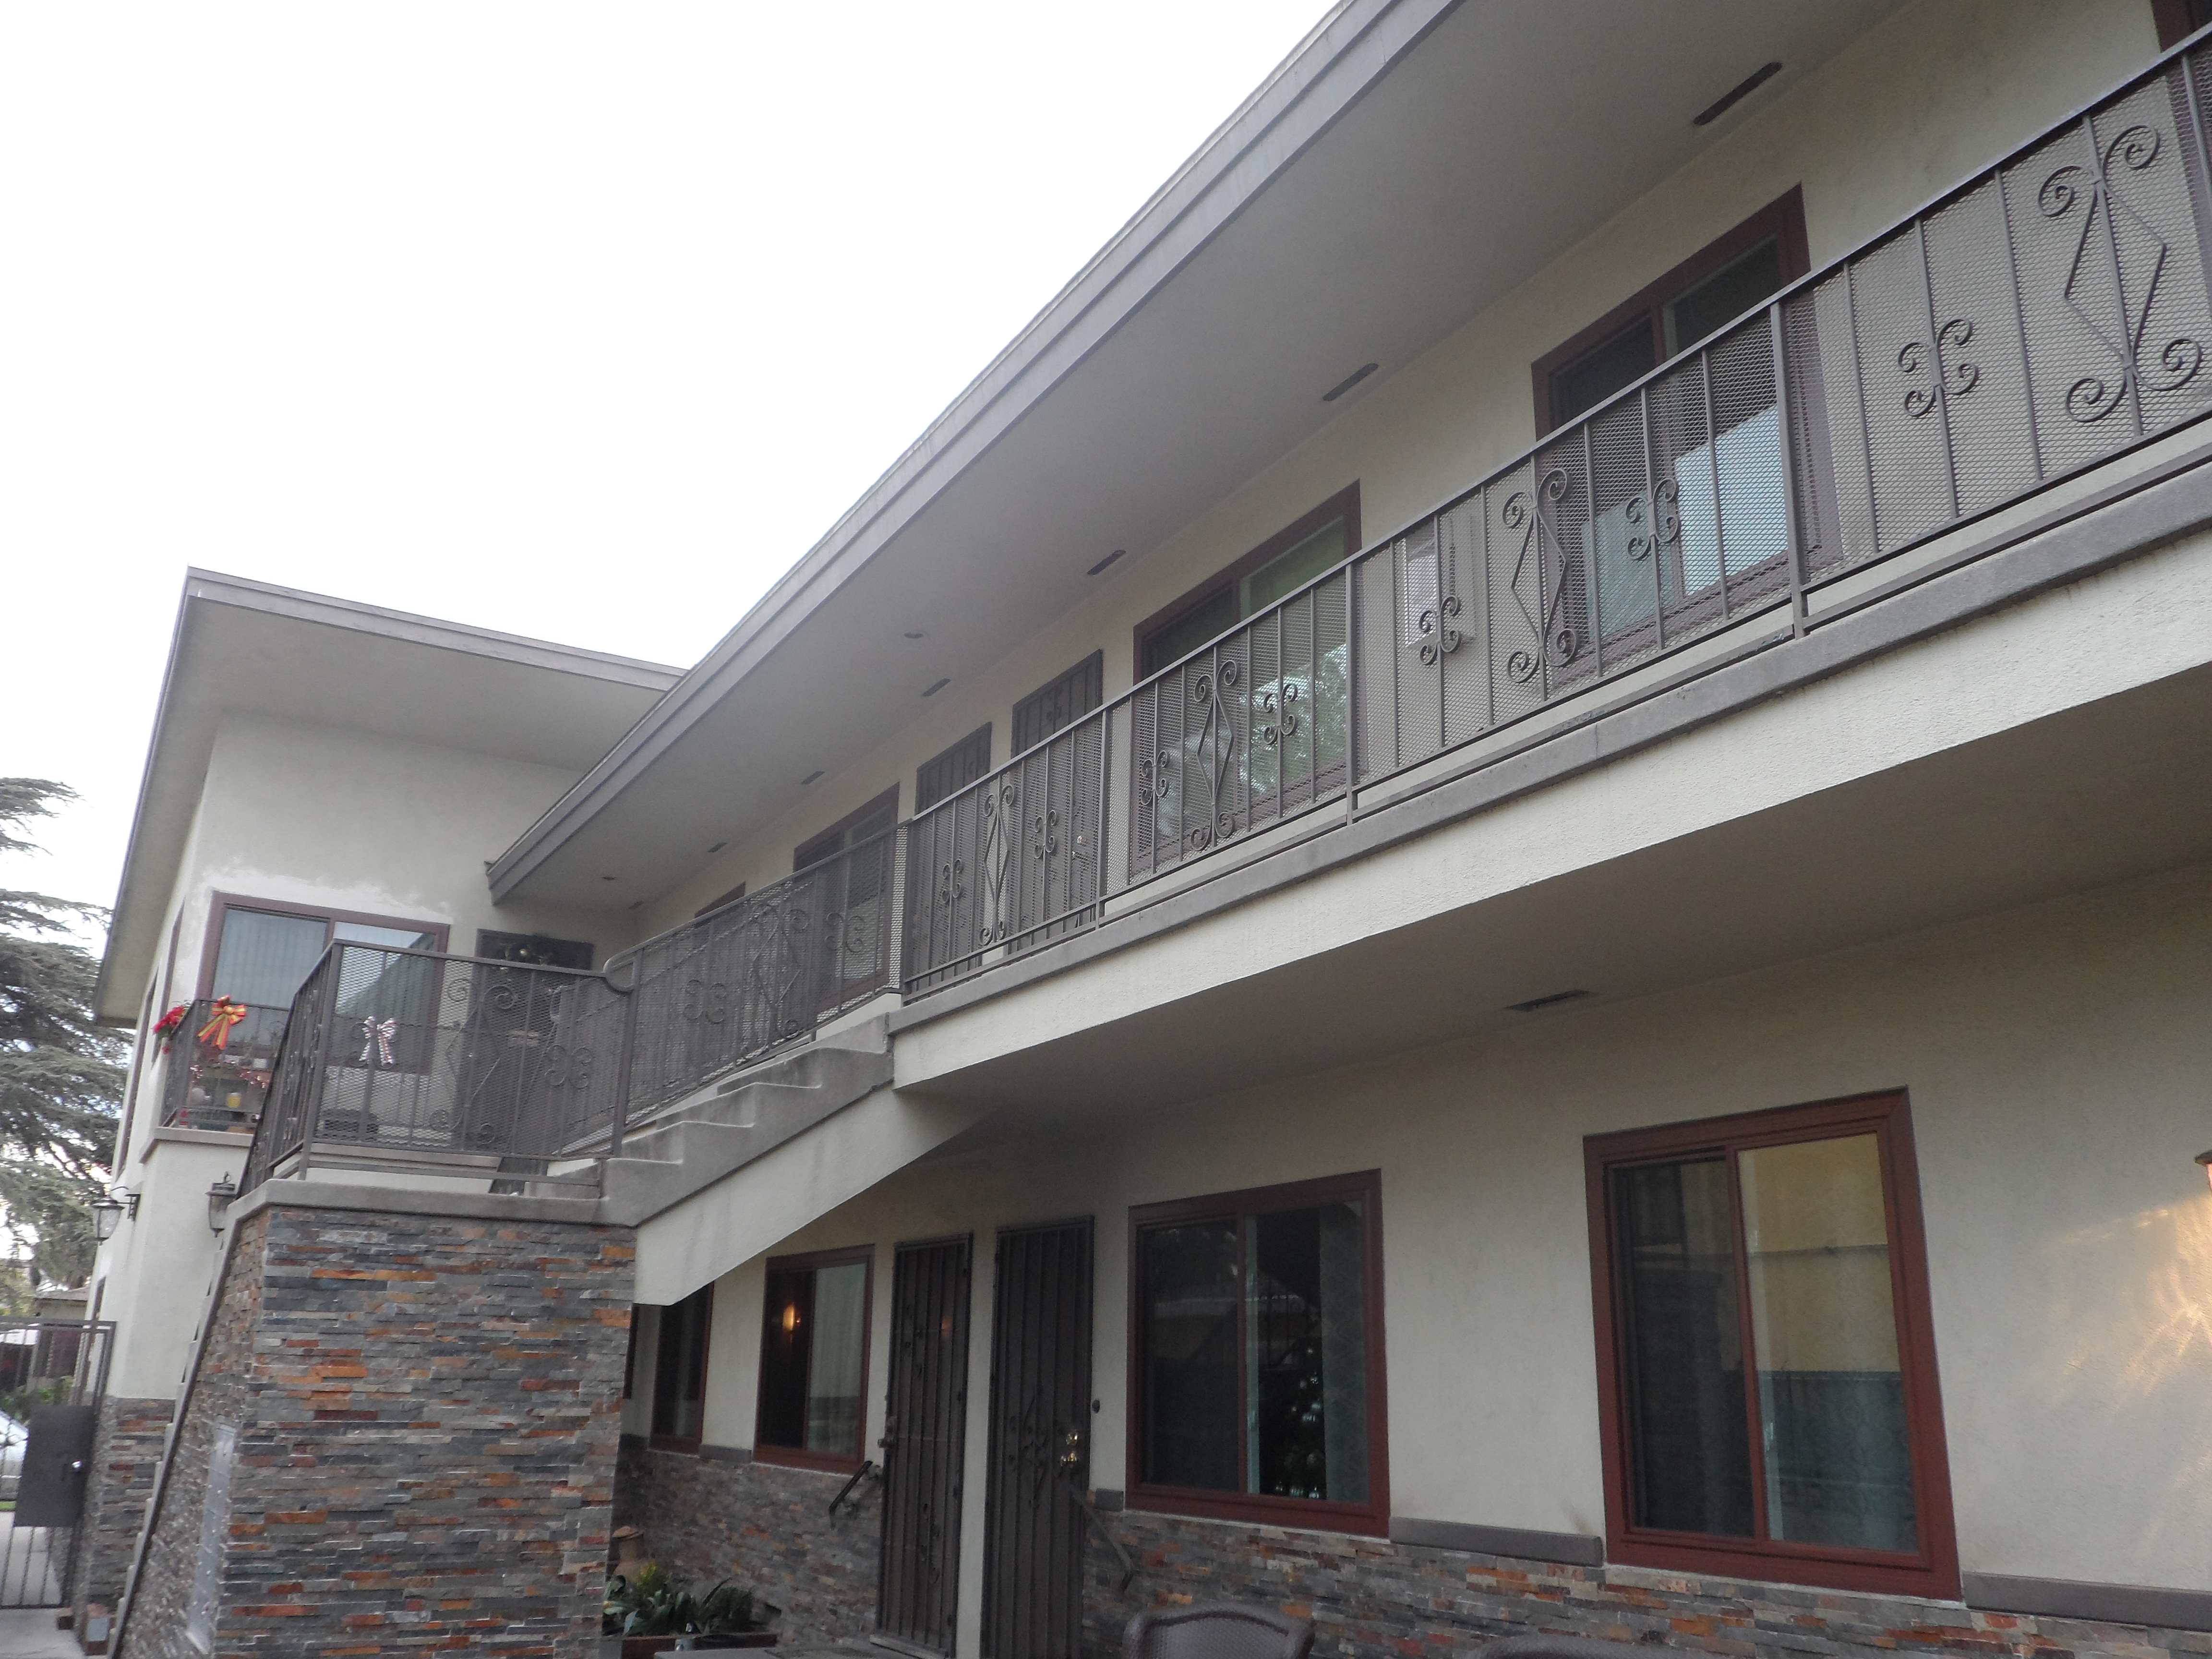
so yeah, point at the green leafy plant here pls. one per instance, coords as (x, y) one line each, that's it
(657, 1603)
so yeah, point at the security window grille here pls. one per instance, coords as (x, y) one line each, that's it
(679, 1371)
(954, 770)
(1713, 286)
(1771, 1373)
(863, 823)
(533, 950)
(814, 1359)
(1285, 561)
(1258, 1391)
(1063, 703)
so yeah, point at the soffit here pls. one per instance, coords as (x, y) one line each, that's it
(1378, 194)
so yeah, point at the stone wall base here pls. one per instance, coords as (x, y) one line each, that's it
(125, 1459)
(765, 1527)
(424, 1412)
(1371, 1598)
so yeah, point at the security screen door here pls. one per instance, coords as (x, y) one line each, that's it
(925, 1436)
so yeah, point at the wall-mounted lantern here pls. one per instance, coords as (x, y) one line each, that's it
(109, 1209)
(219, 1197)
(2205, 1159)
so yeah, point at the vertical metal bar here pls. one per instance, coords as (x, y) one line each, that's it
(1105, 817)
(622, 1074)
(2102, 198)
(1489, 612)
(1941, 393)
(2200, 175)
(318, 1077)
(2020, 318)
(1866, 424)
(1590, 552)
(1713, 467)
(1351, 655)
(1651, 508)
(1791, 552)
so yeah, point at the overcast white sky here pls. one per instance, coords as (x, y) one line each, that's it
(577, 321)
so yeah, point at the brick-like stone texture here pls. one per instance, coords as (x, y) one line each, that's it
(125, 1457)
(427, 1411)
(766, 1529)
(1370, 1599)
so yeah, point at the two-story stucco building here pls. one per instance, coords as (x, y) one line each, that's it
(1483, 903)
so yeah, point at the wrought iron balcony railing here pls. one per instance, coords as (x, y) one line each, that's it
(2042, 318)
(219, 1064)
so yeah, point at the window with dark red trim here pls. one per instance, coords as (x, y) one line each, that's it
(260, 952)
(679, 1372)
(1257, 1386)
(1766, 1360)
(2177, 19)
(1285, 561)
(863, 822)
(1059, 703)
(953, 770)
(814, 1358)
(1714, 286)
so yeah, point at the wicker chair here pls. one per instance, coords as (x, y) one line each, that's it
(1216, 1630)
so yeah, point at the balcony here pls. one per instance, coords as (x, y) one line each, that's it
(2027, 346)
(219, 1065)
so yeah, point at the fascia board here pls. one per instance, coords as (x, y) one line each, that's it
(1347, 55)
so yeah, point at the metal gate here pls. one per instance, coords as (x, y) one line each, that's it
(1040, 1444)
(52, 1373)
(924, 1437)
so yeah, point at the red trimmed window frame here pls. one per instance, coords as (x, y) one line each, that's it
(219, 903)
(1370, 1519)
(1934, 1571)
(799, 1458)
(1783, 219)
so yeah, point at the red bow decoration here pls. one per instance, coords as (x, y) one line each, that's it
(222, 1014)
(165, 1027)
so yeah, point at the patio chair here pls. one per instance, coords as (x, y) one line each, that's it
(1216, 1629)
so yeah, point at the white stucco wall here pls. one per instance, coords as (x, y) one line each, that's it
(2054, 1057)
(331, 819)
(1939, 90)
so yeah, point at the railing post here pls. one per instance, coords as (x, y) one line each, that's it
(1351, 687)
(622, 1068)
(319, 1076)
(1792, 537)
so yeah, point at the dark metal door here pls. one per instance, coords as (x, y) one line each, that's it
(924, 1437)
(1039, 1463)
(52, 1375)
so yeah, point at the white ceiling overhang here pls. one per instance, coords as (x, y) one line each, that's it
(248, 646)
(1413, 161)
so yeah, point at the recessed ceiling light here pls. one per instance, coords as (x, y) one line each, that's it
(914, 633)
(1107, 559)
(1535, 1003)
(717, 846)
(1735, 94)
(637, 904)
(938, 687)
(606, 878)
(1348, 382)
(808, 779)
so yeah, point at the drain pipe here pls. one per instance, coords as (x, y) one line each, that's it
(176, 1432)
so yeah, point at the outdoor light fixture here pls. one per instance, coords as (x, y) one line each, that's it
(2205, 1160)
(109, 1210)
(219, 1197)
(790, 1317)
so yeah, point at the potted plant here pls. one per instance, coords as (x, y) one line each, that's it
(653, 1610)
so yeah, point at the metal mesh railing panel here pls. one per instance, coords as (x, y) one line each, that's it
(220, 1081)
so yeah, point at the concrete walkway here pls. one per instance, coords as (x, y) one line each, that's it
(29, 1633)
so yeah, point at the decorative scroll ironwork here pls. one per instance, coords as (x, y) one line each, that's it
(1541, 551)
(1954, 378)
(2121, 238)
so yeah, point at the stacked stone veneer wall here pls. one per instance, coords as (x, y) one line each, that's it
(1377, 1600)
(764, 1527)
(427, 1410)
(125, 1457)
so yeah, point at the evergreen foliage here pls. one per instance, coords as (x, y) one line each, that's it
(61, 1074)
